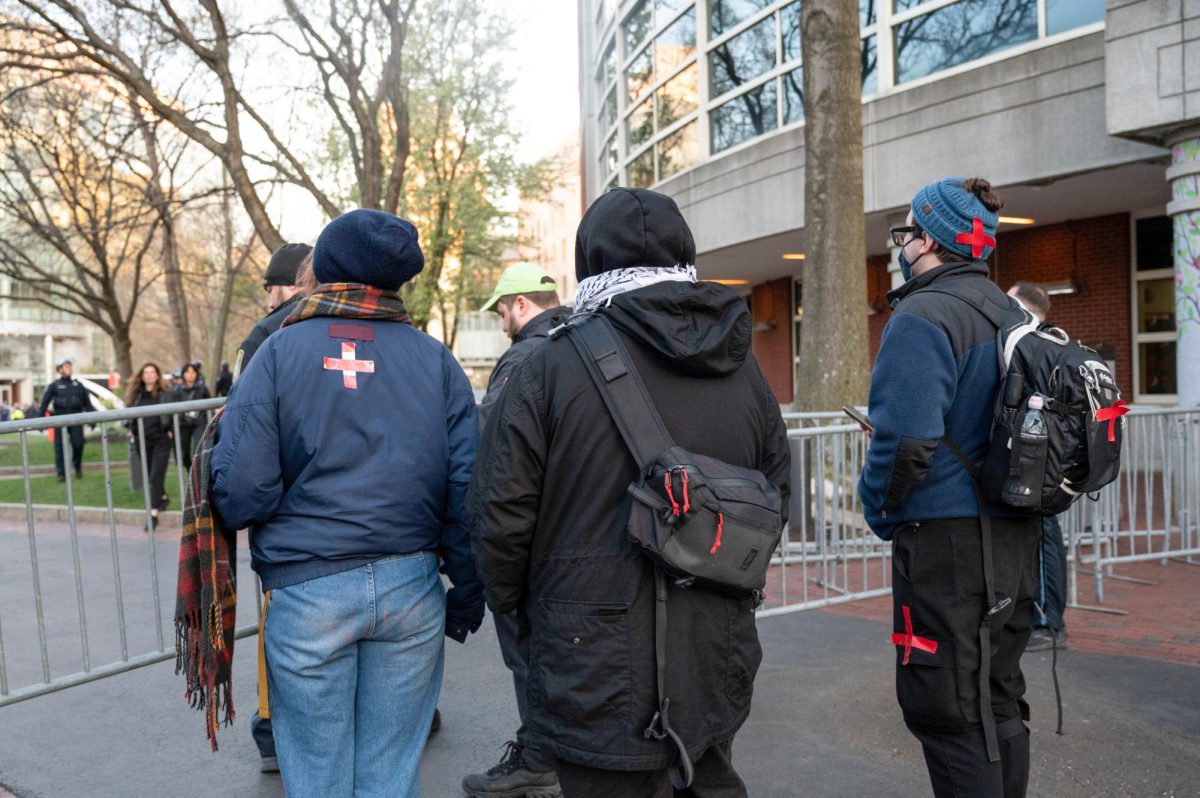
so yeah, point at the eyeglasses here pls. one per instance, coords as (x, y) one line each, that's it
(900, 234)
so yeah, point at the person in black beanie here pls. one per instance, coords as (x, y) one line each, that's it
(347, 398)
(548, 505)
(280, 284)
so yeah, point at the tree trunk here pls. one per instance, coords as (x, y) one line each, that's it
(123, 350)
(833, 366)
(228, 273)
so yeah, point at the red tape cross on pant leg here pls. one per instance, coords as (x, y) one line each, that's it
(910, 640)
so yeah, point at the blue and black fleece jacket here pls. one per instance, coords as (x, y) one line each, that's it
(936, 374)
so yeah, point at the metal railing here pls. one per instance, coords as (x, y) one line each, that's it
(135, 636)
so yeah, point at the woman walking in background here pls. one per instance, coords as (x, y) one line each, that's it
(145, 389)
(189, 388)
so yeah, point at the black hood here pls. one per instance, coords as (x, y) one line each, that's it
(632, 227)
(700, 329)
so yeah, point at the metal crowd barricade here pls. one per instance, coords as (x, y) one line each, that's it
(828, 554)
(1150, 513)
(41, 654)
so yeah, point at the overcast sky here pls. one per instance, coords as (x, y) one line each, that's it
(546, 66)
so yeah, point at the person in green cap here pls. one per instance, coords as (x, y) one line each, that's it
(527, 301)
(526, 298)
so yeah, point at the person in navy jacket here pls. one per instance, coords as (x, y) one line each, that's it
(347, 447)
(958, 670)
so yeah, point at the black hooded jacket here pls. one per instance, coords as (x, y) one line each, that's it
(533, 334)
(548, 504)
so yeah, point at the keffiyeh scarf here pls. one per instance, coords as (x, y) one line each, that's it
(596, 290)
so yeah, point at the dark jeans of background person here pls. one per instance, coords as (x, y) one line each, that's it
(1052, 594)
(937, 571)
(158, 457)
(715, 778)
(76, 434)
(189, 438)
(514, 647)
(260, 730)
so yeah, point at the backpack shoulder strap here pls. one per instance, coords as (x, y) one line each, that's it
(621, 388)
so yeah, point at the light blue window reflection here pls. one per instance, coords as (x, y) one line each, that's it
(639, 127)
(639, 74)
(675, 45)
(664, 9)
(870, 66)
(724, 15)
(679, 150)
(866, 12)
(793, 96)
(1064, 15)
(641, 170)
(961, 32)
(789, 21)
(742, 58)
(745, 117)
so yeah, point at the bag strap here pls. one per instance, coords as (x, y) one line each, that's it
(621, 388)
(646, 436)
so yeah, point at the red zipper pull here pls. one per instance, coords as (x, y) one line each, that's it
(687, 502)
(670, 493)
(720, 526)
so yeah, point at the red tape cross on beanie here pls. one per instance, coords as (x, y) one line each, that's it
(368, 247)
(632, 227)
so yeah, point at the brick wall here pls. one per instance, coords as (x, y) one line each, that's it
(1094, 253)
(771, 307)
(879, 282)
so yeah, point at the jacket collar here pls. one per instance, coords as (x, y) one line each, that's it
(925, 279)
(540, 325)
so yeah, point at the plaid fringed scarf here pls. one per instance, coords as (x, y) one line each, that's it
(206, 597)
(350, 301)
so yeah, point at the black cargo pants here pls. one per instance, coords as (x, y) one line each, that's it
(938, 604)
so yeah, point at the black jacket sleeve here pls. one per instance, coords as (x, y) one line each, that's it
(506, 491)
(47, 395)
(776, 463)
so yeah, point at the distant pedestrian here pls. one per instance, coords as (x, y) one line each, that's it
(1049, 627)
(151, 436)
(224, 380)
(280, 284)
(337, 409)
(67, 396)
(190, 388)
(962, 573)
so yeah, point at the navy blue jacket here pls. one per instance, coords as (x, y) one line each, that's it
(936, 374)
(330, 477)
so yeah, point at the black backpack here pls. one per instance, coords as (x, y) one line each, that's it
(1081, 452)
(703, 522)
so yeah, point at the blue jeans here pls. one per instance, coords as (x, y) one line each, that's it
(354, 664)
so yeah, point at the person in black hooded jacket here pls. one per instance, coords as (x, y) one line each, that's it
(548, 503)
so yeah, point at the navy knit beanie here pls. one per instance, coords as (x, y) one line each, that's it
(370, 247)
(956, 219)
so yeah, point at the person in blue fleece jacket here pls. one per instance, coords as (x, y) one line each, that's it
(347, 447)
(958, 674)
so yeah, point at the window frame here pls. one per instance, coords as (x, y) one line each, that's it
(1137, 338)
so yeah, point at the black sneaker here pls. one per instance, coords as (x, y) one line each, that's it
(1043, 639)
(436, 725)
(512, 778)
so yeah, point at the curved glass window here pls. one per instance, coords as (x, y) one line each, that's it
(745, 117)
(639, 75)
(679, 150)
(611, 157)
(789, 25)
(663, 9)
(608, 112)
(638, 25)
(869, 66)
(742, 58)
(678, 97)
(961, 32)
(793, 96)
(675, 45)
(639, 126)
(725, 15)
(610, 64)
(641, 170)
(866, 12)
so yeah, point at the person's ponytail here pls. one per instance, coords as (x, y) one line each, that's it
(983, 190)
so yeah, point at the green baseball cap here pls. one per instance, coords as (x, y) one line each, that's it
(521, 278)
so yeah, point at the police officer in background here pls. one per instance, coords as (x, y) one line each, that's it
(280, 284)
(68, 396)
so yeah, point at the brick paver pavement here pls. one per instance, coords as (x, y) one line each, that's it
(1162, 621)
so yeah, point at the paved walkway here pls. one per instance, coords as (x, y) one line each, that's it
(824, 723)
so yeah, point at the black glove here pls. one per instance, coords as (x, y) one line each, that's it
(464, 610)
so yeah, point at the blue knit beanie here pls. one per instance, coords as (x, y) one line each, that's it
(370, 247)
(956, 219)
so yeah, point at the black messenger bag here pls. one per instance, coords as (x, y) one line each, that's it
(703, 522)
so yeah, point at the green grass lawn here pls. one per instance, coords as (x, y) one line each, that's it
(41, 451)
(89, 491)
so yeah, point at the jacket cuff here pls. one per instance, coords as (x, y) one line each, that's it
(913, 458)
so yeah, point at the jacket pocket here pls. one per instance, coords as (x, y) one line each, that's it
(580, 672)
(927, 687)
